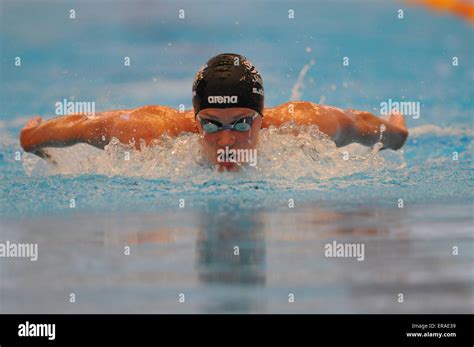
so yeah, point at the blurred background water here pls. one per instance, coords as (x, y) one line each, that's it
(190, 250)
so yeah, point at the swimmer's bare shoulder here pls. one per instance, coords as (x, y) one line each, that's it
(342, 126)
(147, 123)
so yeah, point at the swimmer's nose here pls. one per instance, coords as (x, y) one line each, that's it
(226, 138)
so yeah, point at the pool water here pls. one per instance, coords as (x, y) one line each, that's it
(141, 235)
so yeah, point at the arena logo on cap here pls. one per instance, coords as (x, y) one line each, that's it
(227, 99)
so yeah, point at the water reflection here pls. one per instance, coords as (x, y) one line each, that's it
(231, 249)
(231, 259)
(284, 251)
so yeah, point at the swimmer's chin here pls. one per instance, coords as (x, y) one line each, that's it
(229, 166)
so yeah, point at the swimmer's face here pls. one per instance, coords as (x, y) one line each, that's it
(212, 142)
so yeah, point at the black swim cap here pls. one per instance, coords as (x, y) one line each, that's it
(228, 80)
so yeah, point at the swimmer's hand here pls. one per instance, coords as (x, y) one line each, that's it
(398, 126)
(369, 129)
(26, 143)
(397, 120)
(25, 133)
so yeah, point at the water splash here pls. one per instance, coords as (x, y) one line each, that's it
(291, 152)
(297, 89)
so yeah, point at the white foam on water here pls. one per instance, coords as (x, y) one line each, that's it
(280, 155)
(435, 130)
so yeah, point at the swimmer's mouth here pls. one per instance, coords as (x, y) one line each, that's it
(228, 164)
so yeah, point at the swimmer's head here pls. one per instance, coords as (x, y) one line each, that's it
(228, 101)
(228, 80)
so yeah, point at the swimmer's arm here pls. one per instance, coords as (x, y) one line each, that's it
(367, 129)
(342, 126)
(147, 123)
(64, 131)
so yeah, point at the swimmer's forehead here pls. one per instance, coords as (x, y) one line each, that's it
(226, 112)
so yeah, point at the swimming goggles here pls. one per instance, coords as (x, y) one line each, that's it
(213, 126)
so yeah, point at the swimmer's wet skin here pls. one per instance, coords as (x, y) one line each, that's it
(228, 111)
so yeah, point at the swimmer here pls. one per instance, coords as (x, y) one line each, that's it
(228, 112)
